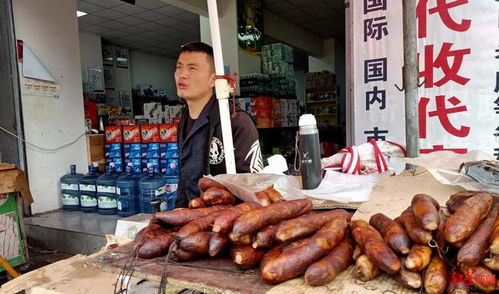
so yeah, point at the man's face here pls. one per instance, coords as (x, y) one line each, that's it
(194, 75)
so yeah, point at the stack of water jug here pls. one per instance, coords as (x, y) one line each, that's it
(124, 194)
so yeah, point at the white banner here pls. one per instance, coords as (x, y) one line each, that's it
(458, 62)
(377, 67)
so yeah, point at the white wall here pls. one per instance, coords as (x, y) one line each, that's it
(90, 50)
(50, 29)
(155, 71)
(326, 62)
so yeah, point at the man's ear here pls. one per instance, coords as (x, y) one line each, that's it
(213, 78)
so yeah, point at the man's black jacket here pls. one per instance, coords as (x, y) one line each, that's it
(202, 151)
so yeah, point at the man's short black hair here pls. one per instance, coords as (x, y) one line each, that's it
(197, 47)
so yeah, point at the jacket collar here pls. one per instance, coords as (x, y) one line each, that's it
(203, 119)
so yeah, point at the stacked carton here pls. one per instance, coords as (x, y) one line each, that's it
(277, 61)
(154, 113)
(113, 147)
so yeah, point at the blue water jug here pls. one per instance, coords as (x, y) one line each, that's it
(107, 200)
(151, 188)
(88, 189)
(70, 189)
(127, 190)
(171, 185)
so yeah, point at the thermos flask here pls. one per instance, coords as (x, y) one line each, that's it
(309, 150)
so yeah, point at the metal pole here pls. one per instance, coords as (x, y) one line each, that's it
(221, 89)
(411, 74)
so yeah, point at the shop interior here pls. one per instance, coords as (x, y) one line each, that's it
(129, 49)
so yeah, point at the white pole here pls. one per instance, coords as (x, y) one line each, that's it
(221, 88)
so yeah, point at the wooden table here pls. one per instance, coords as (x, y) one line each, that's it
(220, 275)
(209, 275)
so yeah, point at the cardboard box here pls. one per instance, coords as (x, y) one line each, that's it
(113, 134)
(131, 134)
(113, 150)
(153, 161)
(170, 167)
(118, 164)
(151, 109)
(168, 133)
(149, 133)
(132, 150)
(168, 150)
(14, 190)
(150, 150)
(263, 103)
(136, 164)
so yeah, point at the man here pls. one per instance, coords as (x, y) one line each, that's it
(200, 134)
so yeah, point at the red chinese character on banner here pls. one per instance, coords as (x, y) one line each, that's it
(443, 115)
(442, 9)
(441, 147)
(450, 71)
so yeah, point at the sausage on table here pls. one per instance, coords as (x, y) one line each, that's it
(393, 233)
(436, 276)
(246, 257)
(261, 217)
(226, 219)
(306, 224)
(475, 247)
(294, 262)
(416, 232)
(365, 270)
(265, 238)
(419, 257)
(425, 210)
(218, 243)
(467, 218)
(408, 279)
(197, 242)
(217, 196)
(182, 216)
(205, 183)
(372, 244)
(326, 269)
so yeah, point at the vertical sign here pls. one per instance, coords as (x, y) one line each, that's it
(378, 105)
(458, 62)
(458, 57)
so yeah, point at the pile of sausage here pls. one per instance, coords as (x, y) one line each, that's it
(427, 248)
(424, 248)
(285, 238)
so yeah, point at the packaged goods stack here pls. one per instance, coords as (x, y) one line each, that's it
(113, 149)
(150, 147)
(289, 112)
(155, 113)
(132, 147)
(321, 98)
(263, 109)
(254, 85)
(277, 62)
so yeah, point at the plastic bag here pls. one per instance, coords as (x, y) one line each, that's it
(345, 188)
(244, 186)
(367, 158)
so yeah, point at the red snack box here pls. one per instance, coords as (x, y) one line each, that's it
(149, 133)
(167, 133)
(114, 134)
(263, 102)
(131, 134)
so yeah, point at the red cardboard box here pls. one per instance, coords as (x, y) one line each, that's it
(263, 113)
(114, 134)
(167, 133)
(131, 134)
(149, 133)
(263, 102)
